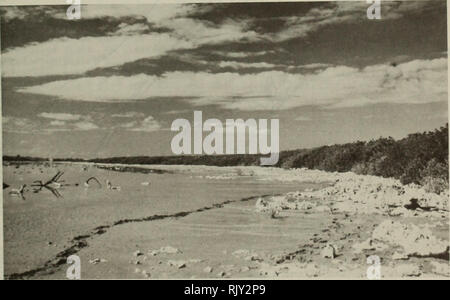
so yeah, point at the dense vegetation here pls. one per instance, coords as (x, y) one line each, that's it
(420, 158)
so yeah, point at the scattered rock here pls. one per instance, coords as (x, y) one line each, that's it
(169, 250)
(415, 240)
(208, 269)
(146, 274)
(180, 264)
(137, 253)
(440, 268)
(399, 256)
(222, 274)
(329, 251)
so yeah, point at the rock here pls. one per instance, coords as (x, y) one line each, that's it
(152, 253)
(440, 268)
(241, 253)
(244, 269)
(208, 269)
(180, 264)
(146, 274)
(408, 270)
(323, 208)
(94, 261)
(329, 251)
(415, 240)
(399, 256)
(222, 274)
(137, 253)
(363, 246)
(169, 250)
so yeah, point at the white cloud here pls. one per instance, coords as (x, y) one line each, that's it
(18, 125)
(85, 125)
(57, 123)
(149, 124)
(418, 81)
(345, 12)
(239, 65)
(129, 114)
(77, 56)
(60, 116)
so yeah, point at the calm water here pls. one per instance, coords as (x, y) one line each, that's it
(41, 225)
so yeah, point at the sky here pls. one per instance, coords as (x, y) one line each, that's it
(112, 82)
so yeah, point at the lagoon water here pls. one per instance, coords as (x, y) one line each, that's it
(41, 225)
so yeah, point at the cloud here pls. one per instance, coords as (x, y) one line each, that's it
(344, 12)
(129, 43)
(18, 125)
(149, 124)
(77, 56)
(239, 65)
(60, 116)
(418, 81)
(130, 114)
(57, 123)
(85, 125)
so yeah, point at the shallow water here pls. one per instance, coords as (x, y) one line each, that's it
(41, 225)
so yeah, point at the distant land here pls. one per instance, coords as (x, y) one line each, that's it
(418, 158)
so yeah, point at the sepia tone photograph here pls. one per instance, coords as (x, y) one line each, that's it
(241, 140)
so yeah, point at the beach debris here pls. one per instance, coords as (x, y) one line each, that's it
(415, 240)
(137, 253)
(112, 187)
(164, 250)
(179, 264)
(18, 192)
(329, 251)
(169, 250)
(86, 183)
(208, 269)
(5, 185)
(97, 261)
(399, 256)
(367, 245)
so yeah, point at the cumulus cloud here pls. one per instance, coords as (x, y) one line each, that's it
(418, 81)
(60, 116)
(149, 124)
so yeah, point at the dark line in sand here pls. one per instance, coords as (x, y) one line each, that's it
(80, 242)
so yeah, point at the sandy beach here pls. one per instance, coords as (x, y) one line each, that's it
(185, 222)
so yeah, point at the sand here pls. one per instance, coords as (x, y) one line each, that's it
(204, 222)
